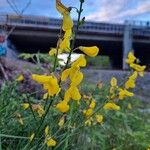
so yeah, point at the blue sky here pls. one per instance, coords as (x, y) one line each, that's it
(95, 10)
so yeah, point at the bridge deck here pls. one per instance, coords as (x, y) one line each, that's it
(52, 23)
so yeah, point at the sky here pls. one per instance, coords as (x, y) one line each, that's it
(113, 11)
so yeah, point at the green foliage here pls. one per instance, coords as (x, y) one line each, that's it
(100, 62)
(128, 129)
(37, 57)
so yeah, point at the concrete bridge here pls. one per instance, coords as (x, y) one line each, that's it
(32, 33)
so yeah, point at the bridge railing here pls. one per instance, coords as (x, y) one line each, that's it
(45, 22)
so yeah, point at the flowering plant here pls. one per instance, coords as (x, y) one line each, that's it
(64, 111)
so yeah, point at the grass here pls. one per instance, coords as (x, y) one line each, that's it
(128, 129)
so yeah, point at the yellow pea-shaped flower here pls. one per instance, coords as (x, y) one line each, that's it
(90, 51)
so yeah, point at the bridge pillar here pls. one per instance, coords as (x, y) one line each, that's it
(127, 44)
(3, 43)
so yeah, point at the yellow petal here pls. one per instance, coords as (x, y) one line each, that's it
(63, 106)
(141, 74)
(99, 118)
(76, 80)
(20, 78)
(52, 51)
(65, 74)
(134, 75)
(130, 84)
(67, 22)
(68, 34)
(45, 96)
(67, 96)
(75, 94)
(131, 58)
(61, 8)
(81, 61)
(25, 105)
(90, 51)
(41, 78)
(51, 142)
(124, 93)
(61, 122)
(32, 137)
(137, 67)
(88, 122)
(46, 130)
(88, 112)
(111, 106)
(93, 104)
(65, 44)
(40, 111)
(50, 83)
(113, 82)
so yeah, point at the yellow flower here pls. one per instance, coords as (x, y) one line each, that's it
(134, 75)
(61, 121)
(53, 51)
(131, 58)
(75, 94)
(68, 34)
(88, 112)
(74, 72)
(61, 8)
(111, 106)
(113, 82)
(88, 122)
(124, 93)
(45, 96)
(32, 137)
(93, 104)
(130, 84)
(81, 61)
(62, 106)
(137, 67)
(25, 105)
(39, 109)
(76, 79)
(99, 118)
(51, 142)
(141, 74)
(90, 51)
(20, 78)
(65, 74)
(46, 130)
(72, 93)
(65, 44)
(67, 22)
(50, 83)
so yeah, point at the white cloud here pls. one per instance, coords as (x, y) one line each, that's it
(118, 10)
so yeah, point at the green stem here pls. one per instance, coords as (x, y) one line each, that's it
(75, 35)
(30, 106)
(43, 118)
(69, 125)
(57, 48)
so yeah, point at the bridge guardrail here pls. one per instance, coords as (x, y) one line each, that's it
(45, 22)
